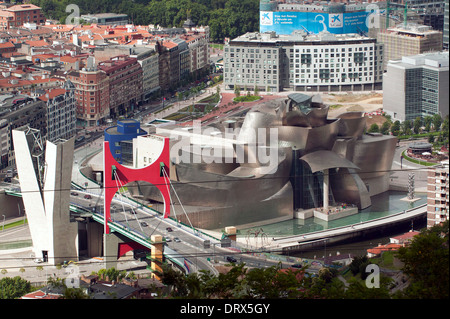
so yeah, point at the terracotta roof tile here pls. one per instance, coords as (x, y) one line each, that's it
(52, 94)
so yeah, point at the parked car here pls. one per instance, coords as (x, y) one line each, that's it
(231, 259)
(177, 240)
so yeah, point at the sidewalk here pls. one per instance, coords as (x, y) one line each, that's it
(177, 106)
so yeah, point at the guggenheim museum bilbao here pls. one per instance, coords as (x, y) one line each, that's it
(282, 157)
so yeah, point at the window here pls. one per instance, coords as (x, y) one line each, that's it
(306, 58)
(324, 74)
(358, 57)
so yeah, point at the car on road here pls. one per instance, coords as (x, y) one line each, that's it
(296, 266)
(177, 240)
(231, 259)
(167, 239)
(144, 224)
(169, 229)
(74, 194)
(87, 196)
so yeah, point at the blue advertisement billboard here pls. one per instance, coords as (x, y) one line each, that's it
(313, 22)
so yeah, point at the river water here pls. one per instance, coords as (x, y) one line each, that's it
(384, 204)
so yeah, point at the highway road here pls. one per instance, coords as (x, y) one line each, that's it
(146, 223)
(184, 241)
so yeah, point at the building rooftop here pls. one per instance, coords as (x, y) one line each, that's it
(23, 7)
(50, 94)
(412, 29)
(379, 249)
(438, 60)
(406, 236)
(104, 15)
(299, 36)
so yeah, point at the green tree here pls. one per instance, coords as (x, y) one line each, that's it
(176, 280)
(358, 290)
(12, 288)
(426, 261)
(68, 292)
(237, 91)
(406, 127)
(357, 263)
(437, 121)
(395, 128)
(229, 284)
(427, 122)
(417, 124)
(445, 128)
(385, 127)
(374, 128)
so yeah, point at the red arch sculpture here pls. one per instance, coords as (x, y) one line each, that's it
(152, 174)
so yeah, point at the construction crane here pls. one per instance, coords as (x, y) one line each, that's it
(405, 13)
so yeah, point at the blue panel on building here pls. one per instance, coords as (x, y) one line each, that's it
(314, 22)
(117, 136)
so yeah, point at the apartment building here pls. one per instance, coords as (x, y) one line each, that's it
(410, 40)
(18, 15)
(18, 110)
(147, 57)
(125, 84)
(303, 62)
(4, 143)
(198, 53)
(61, 112)
(438, 195)
(417, 86)
(6, 48)
(91, 94)
(446, 26)
(169, 64)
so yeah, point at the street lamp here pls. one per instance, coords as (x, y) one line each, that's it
(3, 228)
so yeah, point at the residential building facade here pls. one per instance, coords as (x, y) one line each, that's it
(4, 143)
(438, 195)
(61, 112)
(147, 57)
(169, 64)
(91, 94)
(302, 62)
(18, 15)
(417, 86)
(445, 37)
(125, 84)
(18, 111)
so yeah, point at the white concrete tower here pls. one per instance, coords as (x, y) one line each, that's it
(45, 188)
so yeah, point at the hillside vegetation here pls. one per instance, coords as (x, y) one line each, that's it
(226, 18)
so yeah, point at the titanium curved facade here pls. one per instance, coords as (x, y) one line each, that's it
(270, 163)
